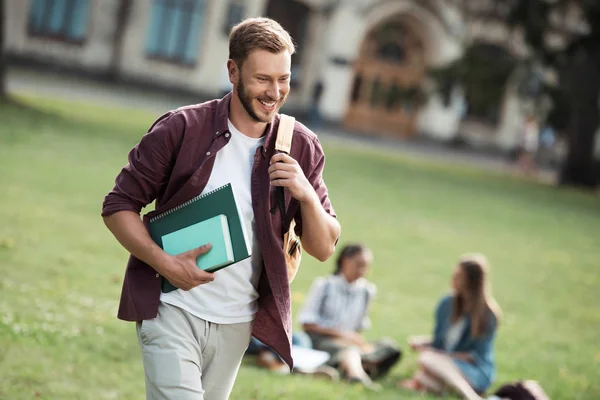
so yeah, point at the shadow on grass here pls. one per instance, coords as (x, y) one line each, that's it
(21, 120)
(24, 117)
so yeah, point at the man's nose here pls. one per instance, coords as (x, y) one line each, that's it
(273, 91)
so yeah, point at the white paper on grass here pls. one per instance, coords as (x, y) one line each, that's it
(307, 360)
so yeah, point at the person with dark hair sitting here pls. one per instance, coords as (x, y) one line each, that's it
(335, 313)
(460, 356)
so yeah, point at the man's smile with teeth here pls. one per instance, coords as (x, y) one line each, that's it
(271, 104)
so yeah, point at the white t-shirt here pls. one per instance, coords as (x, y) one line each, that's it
(232, 297)
(454, 334)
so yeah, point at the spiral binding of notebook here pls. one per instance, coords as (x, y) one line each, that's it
(187, 203)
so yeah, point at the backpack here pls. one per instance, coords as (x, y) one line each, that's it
(292, 248)
(521, 390)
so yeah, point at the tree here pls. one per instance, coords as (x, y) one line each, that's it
(482, 71)
(2, 58)
(575, 97)
(578, 68)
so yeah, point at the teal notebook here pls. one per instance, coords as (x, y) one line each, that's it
(181, 224)
(214, 231)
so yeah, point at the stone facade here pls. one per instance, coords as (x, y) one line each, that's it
(335, 48)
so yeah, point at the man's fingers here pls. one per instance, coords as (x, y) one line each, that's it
(286, 183)
(198, 251)
(280, 175)
(200, 277)
(204, 277)
(281, 167)
(281, 157)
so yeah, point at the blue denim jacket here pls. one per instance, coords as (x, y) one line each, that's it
(481, 349)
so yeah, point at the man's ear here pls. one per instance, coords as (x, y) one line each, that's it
(233, 71)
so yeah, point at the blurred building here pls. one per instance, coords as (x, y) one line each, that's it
(364, 62)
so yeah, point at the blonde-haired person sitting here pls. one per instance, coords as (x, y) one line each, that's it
(461, 354)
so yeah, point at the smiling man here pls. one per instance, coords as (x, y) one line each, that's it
(193, 339)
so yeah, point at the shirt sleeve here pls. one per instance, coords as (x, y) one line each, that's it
(310, 312)
(441, 312)
(315, 177)
(148, 169)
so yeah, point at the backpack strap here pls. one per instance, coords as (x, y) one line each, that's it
(283, 144)
(285, 132)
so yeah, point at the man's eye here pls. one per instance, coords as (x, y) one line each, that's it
(262, 79)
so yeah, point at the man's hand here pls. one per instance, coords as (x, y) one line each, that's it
(182, 271)
(320, 231)
(284, 171)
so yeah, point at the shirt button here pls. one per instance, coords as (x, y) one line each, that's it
(208, 153)
(217, 133)
(158, 275)
(227, 135)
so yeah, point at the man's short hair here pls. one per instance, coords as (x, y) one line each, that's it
(258, 34)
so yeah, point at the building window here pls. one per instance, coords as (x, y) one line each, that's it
(60, 19)
(235, 13)
(175, 29)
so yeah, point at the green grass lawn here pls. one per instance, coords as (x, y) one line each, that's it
(61, 270)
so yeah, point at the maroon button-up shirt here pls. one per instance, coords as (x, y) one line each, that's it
(172, 164)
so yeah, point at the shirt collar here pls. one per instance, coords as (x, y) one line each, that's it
(357, 284)
(222, 114)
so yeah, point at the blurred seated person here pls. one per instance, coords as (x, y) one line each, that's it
(335, 313)
(529, 142)
(460, 356)
(307, 361)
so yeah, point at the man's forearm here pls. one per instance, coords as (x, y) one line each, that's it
(314, 328)
(129, 230)
(320, 231)
(346, 337)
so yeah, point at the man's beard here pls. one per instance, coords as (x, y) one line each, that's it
(246, 101)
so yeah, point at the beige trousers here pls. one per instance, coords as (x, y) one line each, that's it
(188, 358)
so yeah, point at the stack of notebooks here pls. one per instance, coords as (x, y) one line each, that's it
(213, 218)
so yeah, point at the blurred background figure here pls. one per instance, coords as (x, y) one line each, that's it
(336, 312)
(529, 146)
(547, 144)
(315, 113)
(460, 355)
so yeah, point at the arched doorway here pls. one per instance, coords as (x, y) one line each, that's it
(386, 91)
